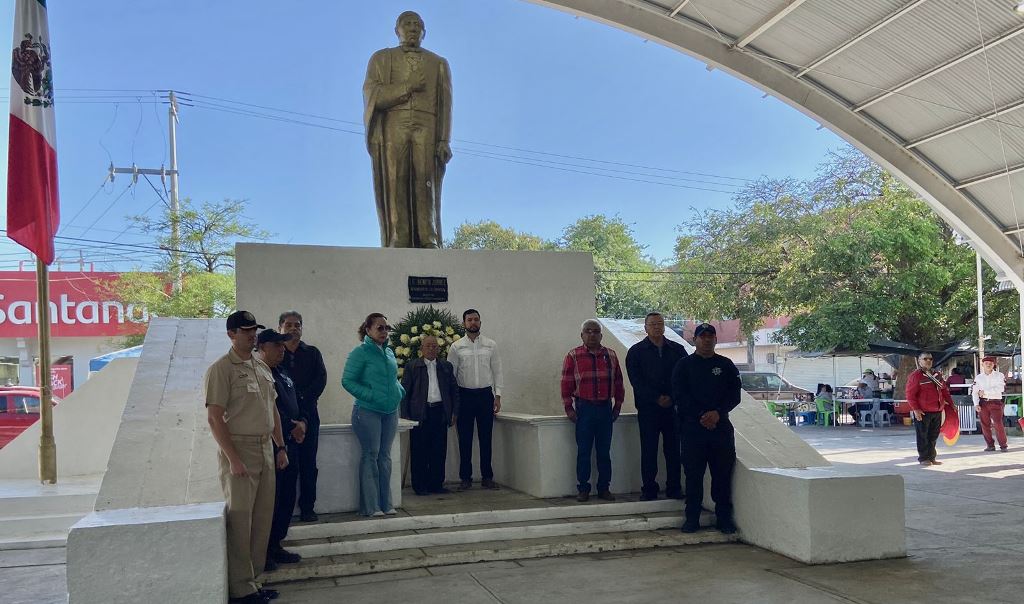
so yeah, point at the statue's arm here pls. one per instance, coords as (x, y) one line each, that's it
(444, 113)
(383, 96)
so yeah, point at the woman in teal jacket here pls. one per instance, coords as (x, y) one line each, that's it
(371, 376)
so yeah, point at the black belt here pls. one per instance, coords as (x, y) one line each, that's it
(435, 404)
(606, 401)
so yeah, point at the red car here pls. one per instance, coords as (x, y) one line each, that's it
(19, 409)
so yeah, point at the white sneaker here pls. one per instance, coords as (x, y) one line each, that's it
(377, 514)
(391, 512)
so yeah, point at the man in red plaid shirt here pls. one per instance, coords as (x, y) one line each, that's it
(592, 392)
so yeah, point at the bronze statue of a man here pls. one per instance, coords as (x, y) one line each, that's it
(408, 116)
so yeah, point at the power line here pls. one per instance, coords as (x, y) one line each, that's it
(551, 167)
(109, 207)
(558, 163)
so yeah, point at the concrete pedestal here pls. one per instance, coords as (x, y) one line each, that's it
(157, 554)
(531, 303)
(338, 455)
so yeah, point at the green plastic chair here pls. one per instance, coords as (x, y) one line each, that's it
(779, 411)
(824, 412)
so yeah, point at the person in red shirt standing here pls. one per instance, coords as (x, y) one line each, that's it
(592, 393)
(927, 394)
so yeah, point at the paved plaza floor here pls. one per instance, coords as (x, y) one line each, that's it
(965, 540)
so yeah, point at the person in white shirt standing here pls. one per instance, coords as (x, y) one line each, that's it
(988, 401)
(478, 372)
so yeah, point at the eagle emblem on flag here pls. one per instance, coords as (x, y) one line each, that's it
(30, 66)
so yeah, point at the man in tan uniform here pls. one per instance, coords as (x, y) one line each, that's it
(240, 399)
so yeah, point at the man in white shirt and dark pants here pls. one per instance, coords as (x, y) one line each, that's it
(478, 372)
(987, 393)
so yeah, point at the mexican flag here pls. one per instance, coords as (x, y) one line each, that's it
(33, 208)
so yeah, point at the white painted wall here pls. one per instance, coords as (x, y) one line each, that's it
(82, 349)
(84, 425)
(531, 304)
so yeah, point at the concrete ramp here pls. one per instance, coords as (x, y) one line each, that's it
(163, 453)
(84, 425)
(159, 515)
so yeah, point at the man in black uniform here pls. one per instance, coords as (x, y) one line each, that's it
(649, 364)
(705, 388)
(270, 346)
(305, 365)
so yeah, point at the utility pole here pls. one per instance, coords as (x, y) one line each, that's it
(172, 127)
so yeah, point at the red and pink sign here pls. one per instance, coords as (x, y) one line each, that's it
(81, 305)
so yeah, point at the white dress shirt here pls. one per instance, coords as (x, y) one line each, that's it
(433, 388)
(476, 363)
(993, 384)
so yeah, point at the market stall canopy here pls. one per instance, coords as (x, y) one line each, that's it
(97, 363)
(877, 348)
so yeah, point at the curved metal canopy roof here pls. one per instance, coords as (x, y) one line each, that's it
(933, 90)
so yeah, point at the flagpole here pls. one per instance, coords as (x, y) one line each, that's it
(47, 446)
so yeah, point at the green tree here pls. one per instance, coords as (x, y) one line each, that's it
(851, 255)
(624, 275)
(489, 235)
(207, 235)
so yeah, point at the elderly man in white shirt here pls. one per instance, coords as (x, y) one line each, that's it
(478, 372)
(988, 401)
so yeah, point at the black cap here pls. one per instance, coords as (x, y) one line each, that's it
(242, 319)
(704, 327)
(271, 335)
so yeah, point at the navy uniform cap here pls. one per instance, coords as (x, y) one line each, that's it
(704, 328)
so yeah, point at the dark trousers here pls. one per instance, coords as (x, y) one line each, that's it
(991, 415)
(476, 405)
(428, 445)
(307, 462)
(593, 431)
(704, 449)
(654, 423)
(284, 498)
(927, 431)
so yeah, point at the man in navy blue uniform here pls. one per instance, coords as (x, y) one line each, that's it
(271, 345)
(705, 388)
(649, 364)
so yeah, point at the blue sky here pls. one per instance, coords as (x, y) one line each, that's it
(525, 77)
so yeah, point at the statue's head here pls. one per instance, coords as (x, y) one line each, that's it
(410, 29)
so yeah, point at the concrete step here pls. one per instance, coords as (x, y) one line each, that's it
(24, 526)
(325, 530)
(15, 506)
(40, 515)
(490, 550)
(503, 531)
(353, 547)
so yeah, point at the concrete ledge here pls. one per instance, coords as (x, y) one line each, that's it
(536, 454)
(821, 515)
(338, 461)
(156, 554)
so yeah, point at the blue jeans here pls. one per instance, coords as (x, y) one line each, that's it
(593, 431)
(375, 432)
